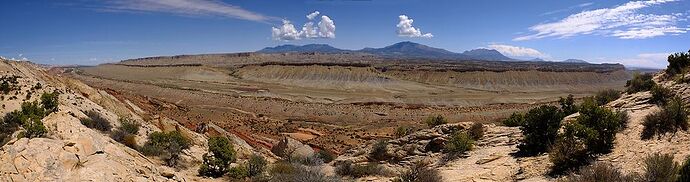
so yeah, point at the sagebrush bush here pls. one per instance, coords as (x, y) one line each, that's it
(476, 131)
(569, 152)
(220, 154)
(402, 131)
(379, 151)
(459, 143)
(94, 120)
(435, 121)
(671, 118)
(540, 129)
(605, 96)
(515, 119)
(684, 171)
(639, 83)
(347, 168)
(599, 172)
(568, 106)
(167, 146)
(660, 167)
(419, 172)
(238, 172)
(660, 95)
(126, 132)
(287, 172)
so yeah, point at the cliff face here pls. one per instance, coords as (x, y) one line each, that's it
(72, 152)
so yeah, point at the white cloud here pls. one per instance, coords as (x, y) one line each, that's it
(517, 51)
(612, 21)
(642, 33)
(648, 60)
(286, 32)
(405, 28)
(568, 8)
(324, 29)
(186, 7)
(313, 15)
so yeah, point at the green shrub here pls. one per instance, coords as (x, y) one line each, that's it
(126, 132)
(660, 167)
(325, 155)
(346, 168)
(29, 117)
(599, 172)
(50, 102)
(459, 143)
(379, 151)
(605, 96)
(435, 121)
(287, 172)
(639, 83)
(569, 152)
(168, 146)
(515, 119)
(670, 119)
(601, 125)
(221, 154)
(238, 172)
(678, 63)
(419, 172)
(568, 106)
(256, 165)
(684, 171)
(660, 95)
(402, 131)
(540, 129)
(476, 131)
(94, 120)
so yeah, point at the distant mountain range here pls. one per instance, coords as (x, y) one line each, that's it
(405, 50)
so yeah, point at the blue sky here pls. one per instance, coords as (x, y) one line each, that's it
(636, 33)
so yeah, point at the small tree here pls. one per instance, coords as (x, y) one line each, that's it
(256, 165)
(50, 102)
(94, 120)
(476, 131)
(220, 154)
(660, 95)
(435, 121)
(678, 63)
(126, 132)
(540, 129)
(402, 131)
(568, 106)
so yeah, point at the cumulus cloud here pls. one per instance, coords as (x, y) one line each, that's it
(510, 50)
(185, 7)
(405, 28)
(324, 29)
(313, 15)
(623, 21)
(286, 32)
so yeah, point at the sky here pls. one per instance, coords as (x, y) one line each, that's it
(89, 32)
